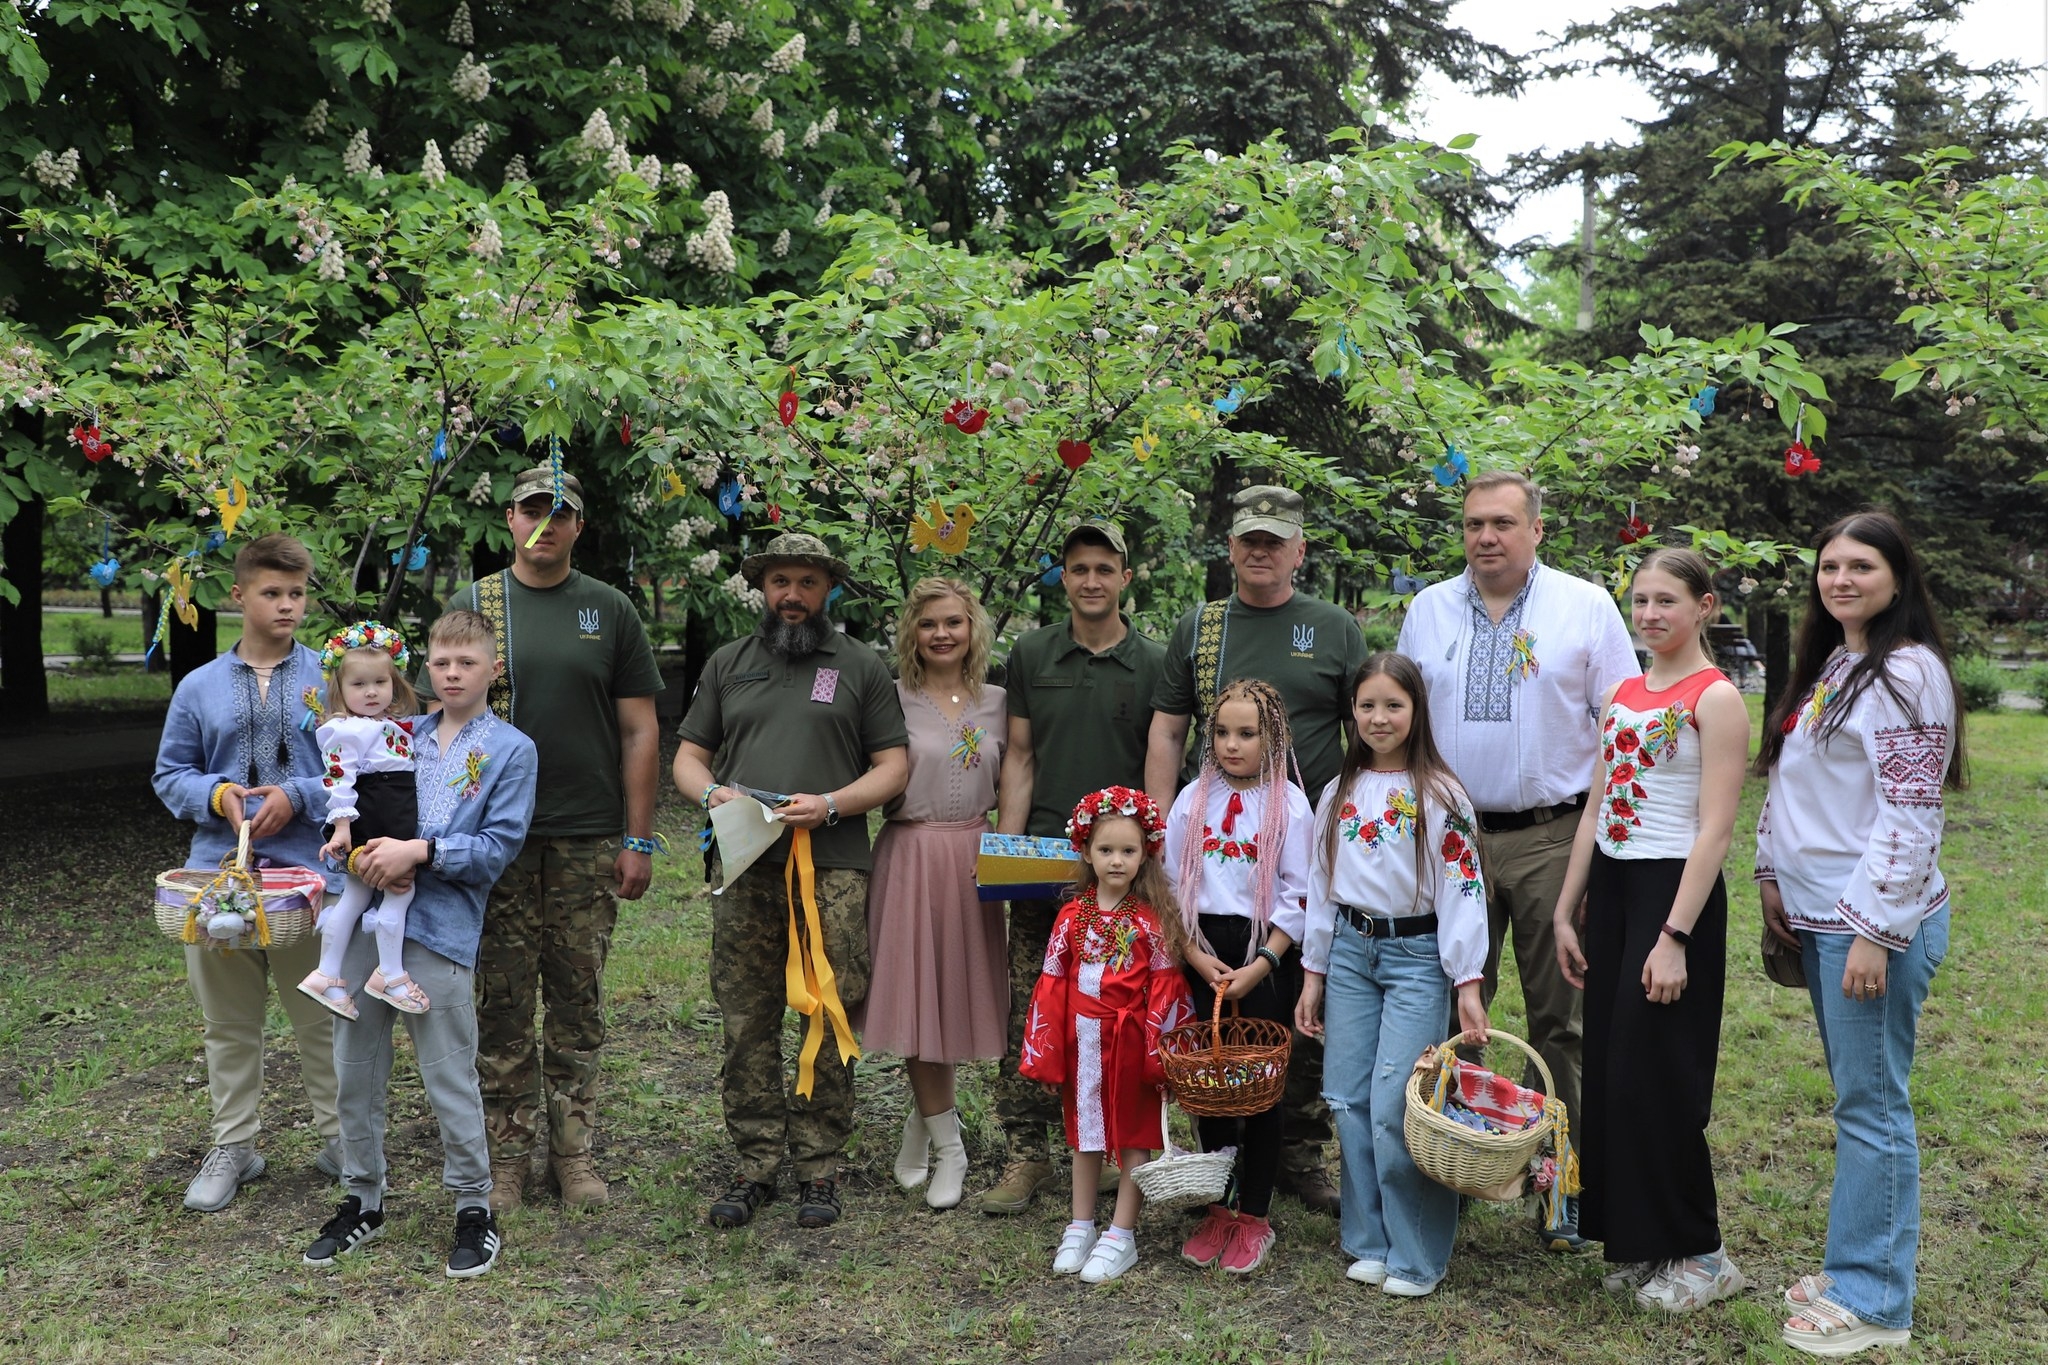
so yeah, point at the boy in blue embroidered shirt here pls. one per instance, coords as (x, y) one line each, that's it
(232, 748)
(476, 788)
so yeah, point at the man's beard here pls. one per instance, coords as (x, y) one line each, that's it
(794, 639)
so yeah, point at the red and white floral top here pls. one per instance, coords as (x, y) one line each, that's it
(1230, 853)
(1851, 830)
(1650, 749)
(353, 745)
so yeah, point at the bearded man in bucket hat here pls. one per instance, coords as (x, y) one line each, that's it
(794, 711)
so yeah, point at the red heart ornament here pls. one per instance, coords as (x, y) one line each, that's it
(786, 409)
(90, 444)
(972, 422)
(626, 431)
(1636, 529)
(774, 511)
(1074, 454)
(1800, 460)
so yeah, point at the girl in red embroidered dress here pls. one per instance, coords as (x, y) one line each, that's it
(1110, 987)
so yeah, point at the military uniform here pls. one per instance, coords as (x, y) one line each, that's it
(787, 725)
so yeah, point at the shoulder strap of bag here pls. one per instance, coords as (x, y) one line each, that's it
(490, 601)
(1210, 629)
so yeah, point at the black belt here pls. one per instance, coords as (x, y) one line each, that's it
(1385, 926)
(1507, 821)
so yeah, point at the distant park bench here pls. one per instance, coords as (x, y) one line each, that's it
(1733, 651)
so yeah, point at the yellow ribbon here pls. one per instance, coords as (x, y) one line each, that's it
(813, 990)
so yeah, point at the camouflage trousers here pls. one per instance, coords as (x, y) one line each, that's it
(1026, 1108)
(547, 929)
(749, 957)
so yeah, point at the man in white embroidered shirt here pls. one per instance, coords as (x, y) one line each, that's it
(1518, 658)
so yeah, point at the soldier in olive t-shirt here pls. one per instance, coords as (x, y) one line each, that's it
(569, 651)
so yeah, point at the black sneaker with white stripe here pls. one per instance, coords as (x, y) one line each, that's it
(476, 1243)
(348, 1229)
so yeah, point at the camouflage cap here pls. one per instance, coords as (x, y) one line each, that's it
(1266, 507)
(539, 482)
(793, 547)
(1100, 527)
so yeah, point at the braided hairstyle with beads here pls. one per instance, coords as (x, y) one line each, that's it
(1276, 752)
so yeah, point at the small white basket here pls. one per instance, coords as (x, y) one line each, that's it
(1180, 1179)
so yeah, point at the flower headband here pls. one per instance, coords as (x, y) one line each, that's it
(1110, 802)
(365, 635)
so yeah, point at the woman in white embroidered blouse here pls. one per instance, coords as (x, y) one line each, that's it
(1859, 749)
(1644, 889)
(1396, 860)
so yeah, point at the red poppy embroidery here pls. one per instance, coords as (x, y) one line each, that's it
(1627, 741)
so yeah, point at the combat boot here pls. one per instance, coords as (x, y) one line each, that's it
(576, 1177)
(508, 1183)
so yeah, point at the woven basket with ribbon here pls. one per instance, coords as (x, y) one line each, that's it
(1226, 1068)
(1181, 1179)
(1480, 1162)
(239, 906)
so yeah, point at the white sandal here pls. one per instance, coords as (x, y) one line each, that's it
(1838, 1332)
(1806, 1290)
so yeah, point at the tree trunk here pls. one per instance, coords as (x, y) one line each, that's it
(193, 648)
(1777, 655)
(24, 689)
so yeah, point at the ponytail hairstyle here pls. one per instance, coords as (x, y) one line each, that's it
(1432, 778)
(1909, 620)
(1695, 575)
(1276, 751)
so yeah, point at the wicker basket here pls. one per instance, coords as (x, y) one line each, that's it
(1483, 1165)
(282, 902)
(1182, 1179)
(1227, 1068)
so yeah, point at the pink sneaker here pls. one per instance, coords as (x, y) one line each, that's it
(1210, 1237)
(1250, 1241)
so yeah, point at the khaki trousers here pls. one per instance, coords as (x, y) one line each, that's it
(233, 990)
(1524, 876)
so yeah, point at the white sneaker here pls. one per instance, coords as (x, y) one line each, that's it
(1373, 1273)
(1628, 1276)
(1682, 1286)
(1074, 1249)
(1112, 1257)
(1407, 1289)
(224, 1171)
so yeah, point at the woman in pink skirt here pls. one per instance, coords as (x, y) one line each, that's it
(939, 993)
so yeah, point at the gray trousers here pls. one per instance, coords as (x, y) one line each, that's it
(443, 1042)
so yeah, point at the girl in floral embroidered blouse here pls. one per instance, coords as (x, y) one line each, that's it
(1396, 924)
(1237, 848)
(370, 794)
(1644, 890)
(1110, 987)
(1859, 749)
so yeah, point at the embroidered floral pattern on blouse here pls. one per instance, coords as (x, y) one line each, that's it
(1461, 862)
(1108, 937)
(966, 750)
(333, 774)
(1229, 850)
(1912, 760)
(1630, 749)
(397, 742)
(1397, 821)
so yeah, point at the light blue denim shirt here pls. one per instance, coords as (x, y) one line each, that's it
(476, 794)
(219, 729)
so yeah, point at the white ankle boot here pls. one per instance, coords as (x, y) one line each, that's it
(949, 1160)
(914, 1157)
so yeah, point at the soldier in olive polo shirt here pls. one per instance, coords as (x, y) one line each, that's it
(798, 709)
(1307, 649)
(1080, 696)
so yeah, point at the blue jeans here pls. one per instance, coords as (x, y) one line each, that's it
(1384, 1001)
(1874, 1209)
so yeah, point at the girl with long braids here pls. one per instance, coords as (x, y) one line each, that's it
(1237, 845)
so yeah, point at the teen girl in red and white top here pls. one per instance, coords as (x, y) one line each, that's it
(1859, 749)
(1642, 927)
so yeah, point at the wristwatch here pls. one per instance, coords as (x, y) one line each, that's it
(831, 810)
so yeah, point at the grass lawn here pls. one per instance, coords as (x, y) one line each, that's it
(61, 631)
(103, 1115)
(124, 688)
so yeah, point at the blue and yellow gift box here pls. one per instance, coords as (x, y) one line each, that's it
(1025, 867)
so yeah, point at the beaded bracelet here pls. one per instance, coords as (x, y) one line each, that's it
(1272, 958)
(634, 844)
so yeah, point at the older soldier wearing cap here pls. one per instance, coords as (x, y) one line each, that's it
(1519, 659)
(798, 712)
(579, 678)
(1080, 702)
(1307, 649)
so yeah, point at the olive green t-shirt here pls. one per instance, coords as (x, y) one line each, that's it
(571, 653)
(1305, 647)
(1089, 715)
(798, 725)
